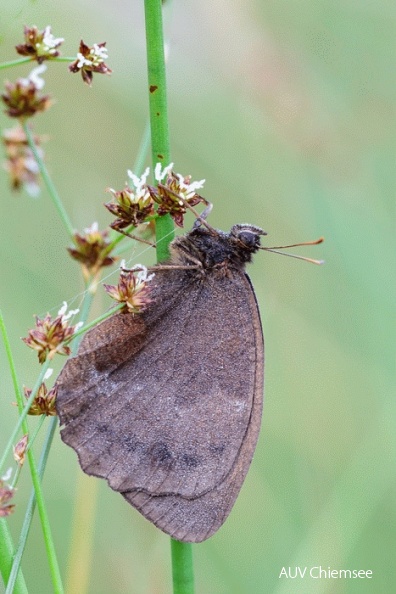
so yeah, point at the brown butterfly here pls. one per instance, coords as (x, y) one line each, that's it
(166, 405)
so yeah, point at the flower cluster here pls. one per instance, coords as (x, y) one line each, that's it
(135, 205)
(132, 289)
(6, 494)
(49, 335)
(92, 250)
(175, 193)
(20, 163)
(131, 207)
(39, 45)
(90, 60)
(44, 401)
(22, 97)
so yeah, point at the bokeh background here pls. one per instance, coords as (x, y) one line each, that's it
(288, 110)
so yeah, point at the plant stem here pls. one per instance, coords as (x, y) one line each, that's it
(49, 543)
(26, 405)
(15, 62)
(160, 148)
(182, 567)
(30, 511)
(6, 557)
(48, 182)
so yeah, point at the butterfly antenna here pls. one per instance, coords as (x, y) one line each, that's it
(275, 250)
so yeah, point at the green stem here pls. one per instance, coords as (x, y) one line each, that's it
(25, 404)
(6, 559)
(49, 543)
(64, 59)
(48, 182)
(182, 567)
(13, 580)
(42, 463)
(15, 62)
(160, 146)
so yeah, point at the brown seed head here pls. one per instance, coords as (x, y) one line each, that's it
(6, 494)
(132, 289)
(20, 163)
(92, 250)
(131, 207)
(22, 99)
(20, 450)
(44, 402)
(39, 45)
(90, 60)
(168, 191)
(49, 335)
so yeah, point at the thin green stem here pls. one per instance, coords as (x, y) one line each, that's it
(24, 406)
(48, 182)
(12, 580)
(49, 543)
(182, 567)
(64, 59)
(6, 559)
(160, 145)
(15, 62)
(42, 463)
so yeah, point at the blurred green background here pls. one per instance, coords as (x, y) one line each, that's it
(288, 110)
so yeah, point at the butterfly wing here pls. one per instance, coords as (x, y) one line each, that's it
(167, 406)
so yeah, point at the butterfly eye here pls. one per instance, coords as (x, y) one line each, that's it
(249, 239)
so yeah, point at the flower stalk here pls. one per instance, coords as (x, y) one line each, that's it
(182, 563)
(160, 146)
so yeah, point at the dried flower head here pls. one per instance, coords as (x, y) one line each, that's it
(39, 45)
(131, 206)
(44, 401)
(92, 250)
(173, 191)
(22, 99)
(20, 163)
(132, 289)
(6, 494)
(49, 335)
(20, 450)
(90, 60)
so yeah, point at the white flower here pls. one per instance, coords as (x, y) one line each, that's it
(99, 54)
(48, 373)
(142, 273)
(34, 77)
(92, 229)
(49, 41)
(189, 189)
(6, 477)
(83, 61)
(158, 174)
(67, 316)
(139, 182)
